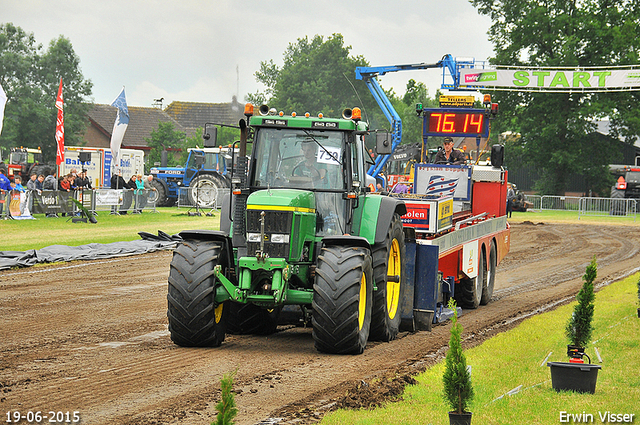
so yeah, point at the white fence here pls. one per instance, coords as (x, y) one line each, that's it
(586, 206)
(608, 207)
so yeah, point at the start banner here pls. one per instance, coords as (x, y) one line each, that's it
(579, 79)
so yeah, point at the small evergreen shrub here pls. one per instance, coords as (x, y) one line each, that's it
(227, 406)
(579, 327)
(457, 391)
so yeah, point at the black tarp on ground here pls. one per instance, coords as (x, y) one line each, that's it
(92, 251)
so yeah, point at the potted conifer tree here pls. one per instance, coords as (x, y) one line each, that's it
(458, 391)
(638, 298)
(579, 327)
(576, 375)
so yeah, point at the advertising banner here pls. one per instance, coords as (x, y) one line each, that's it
(108, 197)
(443, 180)
(52, 202)
(552, 79)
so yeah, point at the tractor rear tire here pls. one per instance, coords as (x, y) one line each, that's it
(342, 300)
(470, 290)
(490, 276)
(162, 200)
(618, 203)
(250, 319)
(205, 190)
(195, 318)
(388, 261)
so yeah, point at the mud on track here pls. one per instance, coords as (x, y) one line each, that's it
(92, 337)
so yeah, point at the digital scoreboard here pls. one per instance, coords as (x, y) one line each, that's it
(455, 122)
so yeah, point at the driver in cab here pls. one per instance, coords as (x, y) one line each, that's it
(449, 155)
(309, 166)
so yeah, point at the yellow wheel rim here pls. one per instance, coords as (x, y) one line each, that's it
(218, 312)
(362, 304)
(393, 288)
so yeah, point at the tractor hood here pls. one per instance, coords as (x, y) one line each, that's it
(282, 200)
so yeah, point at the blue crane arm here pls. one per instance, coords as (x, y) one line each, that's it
(369, 74)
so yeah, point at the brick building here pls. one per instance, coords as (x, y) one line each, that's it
(186, 117)
(142, 121)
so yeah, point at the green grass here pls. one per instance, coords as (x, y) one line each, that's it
(514, 358)
(550, 216)
(21, 235)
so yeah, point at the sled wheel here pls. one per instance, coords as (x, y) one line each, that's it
(487, 290)
(470, 292)
(342, 298)
(195, 318)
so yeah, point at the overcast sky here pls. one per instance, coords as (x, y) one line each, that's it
(208, 51)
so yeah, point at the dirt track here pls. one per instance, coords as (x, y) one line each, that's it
(92, 337)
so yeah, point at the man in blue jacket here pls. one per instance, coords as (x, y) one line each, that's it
(4, 188)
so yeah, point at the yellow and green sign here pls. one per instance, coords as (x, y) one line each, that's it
(552, 79)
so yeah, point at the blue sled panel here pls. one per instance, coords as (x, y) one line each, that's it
(421, 287)
(425, 294)
(406, 303)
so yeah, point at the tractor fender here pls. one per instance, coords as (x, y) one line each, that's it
(212, 173)
(388, 207)
(346, 240)
(213, 235)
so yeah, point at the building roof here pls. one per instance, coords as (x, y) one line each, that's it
(142, 121)
(192, 115)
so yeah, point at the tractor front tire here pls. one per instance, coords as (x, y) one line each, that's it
(162, 200)
(388, 262)
(195, 318)
(342, 300)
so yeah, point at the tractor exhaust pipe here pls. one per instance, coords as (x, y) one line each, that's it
(239, 237)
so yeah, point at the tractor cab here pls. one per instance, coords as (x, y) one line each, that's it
(314, 169)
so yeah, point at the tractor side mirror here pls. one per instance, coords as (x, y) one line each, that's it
(210, 137)
(383, 144)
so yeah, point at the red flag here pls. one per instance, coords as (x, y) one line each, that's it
(60, 127)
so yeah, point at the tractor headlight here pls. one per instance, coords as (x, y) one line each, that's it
(253, 237)
(279, 238)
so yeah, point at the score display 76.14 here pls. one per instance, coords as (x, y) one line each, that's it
(456, 122)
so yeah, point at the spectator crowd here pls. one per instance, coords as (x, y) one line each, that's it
(135, 193)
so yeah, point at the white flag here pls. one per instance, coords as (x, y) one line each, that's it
(3, 101)
(119, 127)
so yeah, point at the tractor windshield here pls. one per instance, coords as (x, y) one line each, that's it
(308, 160)
(300, 159)
(18, 158)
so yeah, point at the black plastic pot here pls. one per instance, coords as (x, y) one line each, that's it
(639, 312)
(460, 418)
(579, 377)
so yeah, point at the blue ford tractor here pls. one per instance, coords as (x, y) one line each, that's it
(201, 180)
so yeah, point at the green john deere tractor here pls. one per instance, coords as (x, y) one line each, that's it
(301, 230)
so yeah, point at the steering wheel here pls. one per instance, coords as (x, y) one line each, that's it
(313, 170)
